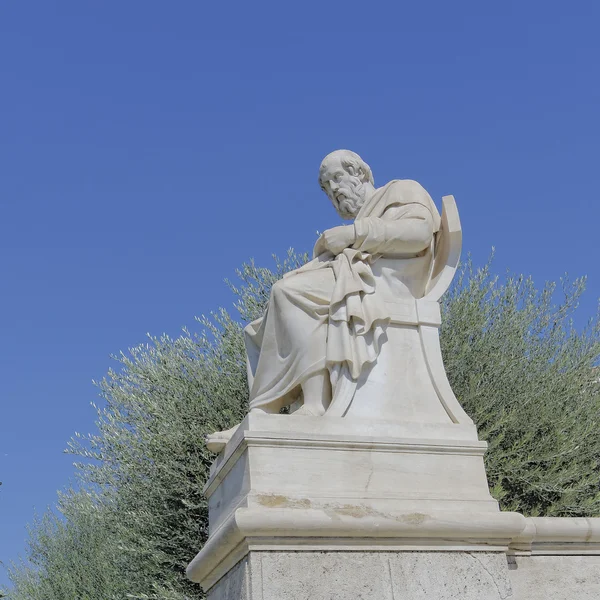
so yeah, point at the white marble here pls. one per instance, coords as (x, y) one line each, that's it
(375, 485)
(348, 483)
(355, 331)
(367, 575)
(236, 585)
(313, 466)
(550, 569)
(556, 558)
(558, 535)
(557, 577)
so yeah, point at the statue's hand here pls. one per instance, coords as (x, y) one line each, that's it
(336, 239)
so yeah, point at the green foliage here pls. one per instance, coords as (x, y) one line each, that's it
(71, 557)
(527, 378)
(514, 361)
(145, 468)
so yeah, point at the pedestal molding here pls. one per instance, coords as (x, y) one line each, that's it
(558, 536)
(348, 528)
(344, 442)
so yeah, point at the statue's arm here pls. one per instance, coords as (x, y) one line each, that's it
(404, 229)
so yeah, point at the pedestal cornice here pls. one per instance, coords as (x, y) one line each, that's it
(348, 528)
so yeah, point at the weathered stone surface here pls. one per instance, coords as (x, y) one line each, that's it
(368, 576)
(340, 484)
(234, 585)
(555, 577)
(316, 467)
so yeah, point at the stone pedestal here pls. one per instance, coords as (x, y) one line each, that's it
(307, 507)
(366, 575)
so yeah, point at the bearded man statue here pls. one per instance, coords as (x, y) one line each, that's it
(326, 322)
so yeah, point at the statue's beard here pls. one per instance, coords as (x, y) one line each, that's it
(351, 200)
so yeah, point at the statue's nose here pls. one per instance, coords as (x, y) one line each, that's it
(334, 186)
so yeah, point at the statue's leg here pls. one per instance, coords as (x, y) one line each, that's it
(294, 328)
(317, 394)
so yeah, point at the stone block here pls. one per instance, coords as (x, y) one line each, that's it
(564, 577)
(368, 576)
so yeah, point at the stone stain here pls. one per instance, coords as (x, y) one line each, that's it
(359, 511)
(414, 518)
(335, 511)
(278, 501)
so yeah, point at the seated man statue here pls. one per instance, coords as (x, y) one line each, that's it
(325, 322)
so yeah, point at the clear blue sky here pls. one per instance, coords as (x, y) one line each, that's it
(148, 148)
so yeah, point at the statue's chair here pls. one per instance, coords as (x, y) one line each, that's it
(408, 382)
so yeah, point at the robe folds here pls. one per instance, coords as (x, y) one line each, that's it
(331, 312)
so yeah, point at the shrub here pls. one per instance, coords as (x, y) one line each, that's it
(514, 360)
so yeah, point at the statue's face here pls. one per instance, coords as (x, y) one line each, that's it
(345, 189)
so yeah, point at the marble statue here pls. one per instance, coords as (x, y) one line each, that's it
(377, 473)
(318, 345)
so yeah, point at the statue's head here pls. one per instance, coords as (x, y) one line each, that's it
(347, 180)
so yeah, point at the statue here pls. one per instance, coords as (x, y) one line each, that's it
(377, 463)
(353, 333)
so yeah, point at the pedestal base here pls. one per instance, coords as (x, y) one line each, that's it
(313, 495)
(366, 575)
(281, 461)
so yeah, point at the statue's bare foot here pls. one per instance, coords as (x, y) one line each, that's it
(215, 442)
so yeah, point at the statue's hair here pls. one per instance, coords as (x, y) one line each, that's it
(348, 159)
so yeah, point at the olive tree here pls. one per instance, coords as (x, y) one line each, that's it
(516, 363)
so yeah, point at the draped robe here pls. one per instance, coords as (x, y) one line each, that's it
(331, 313)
